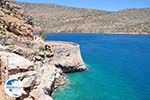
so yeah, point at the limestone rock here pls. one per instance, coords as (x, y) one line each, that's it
(39, 94)
(38, 58)
(38, 64)
(20, 29)
(13, 20)
(49, 54)
(47, 75)
(16, 61)
(41, 54)
(28, 73)
(27, 82)
(66, 55)
(2, 47)
(44, 97)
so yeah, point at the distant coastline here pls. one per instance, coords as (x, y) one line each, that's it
(111, 33)
(58, 18)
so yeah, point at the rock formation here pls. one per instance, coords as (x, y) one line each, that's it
(14, 23)
(67, 56)
(39, 65)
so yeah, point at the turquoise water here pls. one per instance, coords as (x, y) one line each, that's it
(118, 68)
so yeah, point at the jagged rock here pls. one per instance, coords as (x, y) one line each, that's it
(67, 56)
(36, 93)
(16, 61)
(49, 55)
(47, 76)
(64, 55)
(24, 51)
(51, 77)
(41, 54)
(39, 94)
(14, 6)
(38, 58)
(38, 64)
(20, 29)
(14, 27)
(15, 22)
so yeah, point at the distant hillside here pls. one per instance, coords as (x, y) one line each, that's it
(56, 18)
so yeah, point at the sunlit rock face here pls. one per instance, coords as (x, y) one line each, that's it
(67, 56)
(39, 65)
(14, 23)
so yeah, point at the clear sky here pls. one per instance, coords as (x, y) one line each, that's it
(111, 5)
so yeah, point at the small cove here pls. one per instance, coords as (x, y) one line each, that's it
(118, 67)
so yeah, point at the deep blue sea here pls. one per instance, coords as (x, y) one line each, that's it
(118, 67)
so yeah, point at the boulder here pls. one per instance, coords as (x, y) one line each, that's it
(39, 94)
(15, 61)
(27, 82)
(42, 54)
(49, 54)
(38, 58)
(20, 29)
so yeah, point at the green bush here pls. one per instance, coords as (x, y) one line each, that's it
(41, 48)
(11, 45)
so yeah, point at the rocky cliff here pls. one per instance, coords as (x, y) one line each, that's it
(14, 23)
(40, 66)
(67, 56)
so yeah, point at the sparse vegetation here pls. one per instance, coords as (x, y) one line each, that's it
(42, 34)
(12, 44)
(56, 18)
(41, 48)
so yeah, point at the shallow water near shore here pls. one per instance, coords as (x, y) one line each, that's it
(118, 67)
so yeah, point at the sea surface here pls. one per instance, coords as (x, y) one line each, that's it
(118, 67)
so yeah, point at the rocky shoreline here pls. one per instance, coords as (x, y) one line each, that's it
(41, 66)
